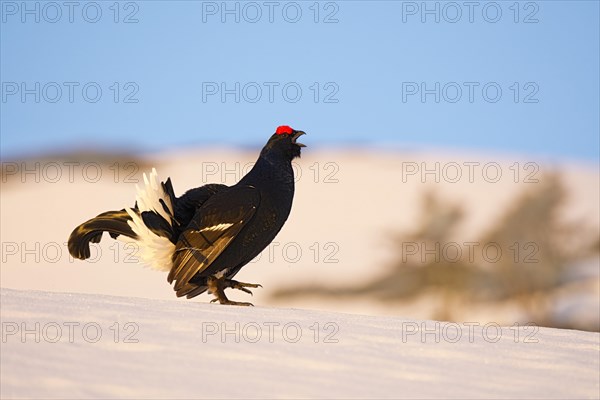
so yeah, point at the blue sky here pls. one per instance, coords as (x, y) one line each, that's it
(517, 77)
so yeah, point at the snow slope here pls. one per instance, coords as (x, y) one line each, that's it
(319, 243)
(100, 346)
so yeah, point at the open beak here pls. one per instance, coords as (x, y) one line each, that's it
(296, 136)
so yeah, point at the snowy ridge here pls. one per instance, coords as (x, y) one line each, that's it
(155, 251)
(96, 346)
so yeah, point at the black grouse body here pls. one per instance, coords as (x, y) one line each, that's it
(206, 236)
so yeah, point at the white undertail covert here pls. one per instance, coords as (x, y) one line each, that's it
(155, 251)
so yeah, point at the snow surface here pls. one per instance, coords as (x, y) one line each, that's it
(174, 349)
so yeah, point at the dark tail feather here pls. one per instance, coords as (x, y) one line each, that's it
(113, 222)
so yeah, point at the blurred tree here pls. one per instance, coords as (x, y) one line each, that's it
(528, 254)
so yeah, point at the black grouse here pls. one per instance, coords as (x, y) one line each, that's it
(206, 236)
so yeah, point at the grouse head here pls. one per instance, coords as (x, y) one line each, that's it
(284, 143)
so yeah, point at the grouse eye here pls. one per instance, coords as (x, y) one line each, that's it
(284, 130)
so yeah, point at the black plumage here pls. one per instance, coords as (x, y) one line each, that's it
(207, 235)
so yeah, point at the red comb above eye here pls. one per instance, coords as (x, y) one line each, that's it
(284, 130)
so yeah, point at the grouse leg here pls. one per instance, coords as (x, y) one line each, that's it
(241, 285)
(218, 285)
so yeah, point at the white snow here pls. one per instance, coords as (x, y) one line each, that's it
(153, 345)
(66, 345)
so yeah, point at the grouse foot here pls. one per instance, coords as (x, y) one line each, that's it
(217, 287)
